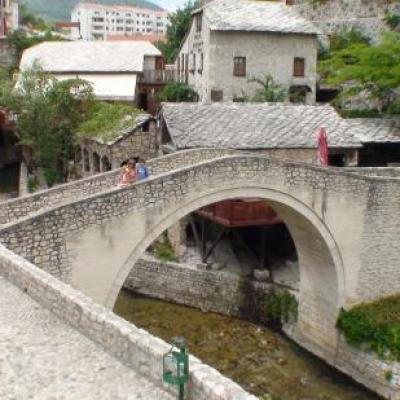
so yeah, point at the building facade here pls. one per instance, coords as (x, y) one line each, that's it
(116, 70)
(232, 42)
(97, 21)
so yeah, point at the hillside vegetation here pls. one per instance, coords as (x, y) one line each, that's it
(60, 9)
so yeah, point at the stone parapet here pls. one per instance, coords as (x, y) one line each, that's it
(18, 208)
(134, 347)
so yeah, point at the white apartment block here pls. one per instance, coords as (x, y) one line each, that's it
(8, 17)
(98, 21)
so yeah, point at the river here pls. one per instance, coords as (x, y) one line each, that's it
(259, 359)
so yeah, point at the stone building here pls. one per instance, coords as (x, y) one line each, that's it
(101, 154)
(231, 41)
(278, 129)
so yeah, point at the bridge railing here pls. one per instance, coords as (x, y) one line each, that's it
(15, 209)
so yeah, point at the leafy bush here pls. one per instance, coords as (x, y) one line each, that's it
(348, 37)
(392, 19)
(374, 68)
(374, 326)
(274, 307)
(32, 184)
(270, 91)
(176, 92)
(163, 250)
(280, 305)
(51, 176)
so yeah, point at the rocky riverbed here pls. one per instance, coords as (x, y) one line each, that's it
(258, 358)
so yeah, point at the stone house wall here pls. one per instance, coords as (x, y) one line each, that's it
(266, 53)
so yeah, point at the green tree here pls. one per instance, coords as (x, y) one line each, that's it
(179, 25)
(49, 112)
(269, 90)
(176, 92)
(375, 69)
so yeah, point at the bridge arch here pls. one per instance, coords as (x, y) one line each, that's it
(322, 282)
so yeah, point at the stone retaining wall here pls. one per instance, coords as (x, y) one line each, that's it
(18, 208)
(213, 291)
(133, 346)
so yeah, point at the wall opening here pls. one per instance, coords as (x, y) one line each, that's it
(96, 163)
(105, 164)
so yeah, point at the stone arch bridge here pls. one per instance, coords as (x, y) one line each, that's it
(345, 227)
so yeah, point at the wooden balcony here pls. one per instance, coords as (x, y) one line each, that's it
(157, 76)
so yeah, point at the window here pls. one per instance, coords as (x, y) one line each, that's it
(194, 63)
(239, 66)
(201, 63)
(217, 95)
(299, 67)
(199, 22)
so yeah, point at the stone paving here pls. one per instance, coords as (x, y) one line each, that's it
(43, 358)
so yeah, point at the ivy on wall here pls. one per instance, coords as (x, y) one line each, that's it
(374, 326)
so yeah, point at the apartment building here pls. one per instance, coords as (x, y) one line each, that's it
(8, 17)
(97, 21)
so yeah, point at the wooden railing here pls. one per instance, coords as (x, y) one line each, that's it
(157, 76)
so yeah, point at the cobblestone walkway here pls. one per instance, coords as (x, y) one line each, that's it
(43, 358)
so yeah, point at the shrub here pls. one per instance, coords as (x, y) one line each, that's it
(348, 37)
(163, 250)
(374, 326)
(176, 92)
(280, 305)
(392, 19)
(32, 184)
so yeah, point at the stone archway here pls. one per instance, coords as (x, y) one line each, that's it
(321, 269)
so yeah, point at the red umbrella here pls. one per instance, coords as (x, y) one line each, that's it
(322, 148)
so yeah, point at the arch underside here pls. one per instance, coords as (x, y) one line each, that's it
(123, 241)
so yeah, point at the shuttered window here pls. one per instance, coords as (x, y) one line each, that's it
(299, 67)
(239, 66)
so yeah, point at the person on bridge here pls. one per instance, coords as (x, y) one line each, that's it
(128, 174)
(142, 170)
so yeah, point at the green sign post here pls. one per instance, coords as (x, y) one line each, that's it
(176, 366)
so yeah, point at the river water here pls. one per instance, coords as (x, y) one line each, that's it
(259, 359)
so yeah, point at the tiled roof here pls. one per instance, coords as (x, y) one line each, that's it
(89, 56)
(255, 126)
(251, 15)
(377, 130)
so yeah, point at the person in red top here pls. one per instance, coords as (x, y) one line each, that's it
(128, 174)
